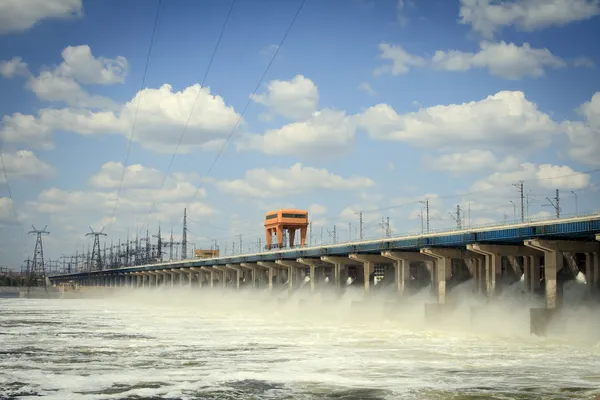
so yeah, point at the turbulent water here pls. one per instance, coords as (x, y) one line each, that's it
(188, 344)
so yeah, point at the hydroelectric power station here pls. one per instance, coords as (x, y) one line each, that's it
(543, 254)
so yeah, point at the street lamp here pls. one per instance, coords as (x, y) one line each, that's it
(514, 209)
(576, 204)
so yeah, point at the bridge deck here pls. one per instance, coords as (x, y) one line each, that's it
(577, 228)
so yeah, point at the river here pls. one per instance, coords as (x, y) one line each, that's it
(194, 344)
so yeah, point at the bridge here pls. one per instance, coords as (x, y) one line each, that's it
(543, 253)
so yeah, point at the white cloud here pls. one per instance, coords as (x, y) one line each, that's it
(366, 87)
(327, 132)
(316, 209)
(583, 62)
(80, 64)
(506, 60)
(505, 119)
(585, 136)
(279, 182)
(296, 99)
(14, 67)
(269, 50)
(62, 84)
(20, 15)
(400, 6)
(401, 60)
(26, 129)
(140, 182)
(161, 116)
(94, 205)
(545, 176)
(489, 16)
(7, 215)
(474, 160)
(497, 195)
(55, 88)
(24, 164)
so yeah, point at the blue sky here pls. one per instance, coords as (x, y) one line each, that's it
(369, 105)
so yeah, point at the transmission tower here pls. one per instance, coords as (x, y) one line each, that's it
(385, 225)
(555, 203)
(520, 187)
(36, 268)
(96, 261)
(457, 217)
(159, 246)
(184, 238)
(426, 202)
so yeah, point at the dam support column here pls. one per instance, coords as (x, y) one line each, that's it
(270, 267)
(592, 272)
(368, 261)
(493, 261)
(292, 271)
(553, 262)
(211, 276)
(238, 274)
(312, 263)
(402, 267)
(190, 276)
(175, 272)
(222, 273)
(255, 273)
(199, 275)
(442, 268)
(536, 273)
(339, 263)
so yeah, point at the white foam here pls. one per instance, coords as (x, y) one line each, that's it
(196, 340)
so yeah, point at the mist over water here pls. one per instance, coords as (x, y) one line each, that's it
(201, 343)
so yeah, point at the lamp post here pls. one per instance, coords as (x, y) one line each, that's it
(576, 204)
(514, 209)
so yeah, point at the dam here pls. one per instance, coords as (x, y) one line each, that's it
(543, 255)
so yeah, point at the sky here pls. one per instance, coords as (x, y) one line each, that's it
(116, 116)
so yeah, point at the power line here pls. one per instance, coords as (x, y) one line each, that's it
(413, 202)
(154, 29)
(249, 101)
(187, 122)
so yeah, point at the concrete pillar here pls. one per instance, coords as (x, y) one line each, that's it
(211, 274)
(368, 261)
(270, 267)
(443, 267)
(527, 273)
(312, 263)
(402, 261)
(493, 260)
(536, 271)
(554, 262)
(238, 273)
(592, 272)
(441, 264)
(596, 272)
(338, 263)
(292, 268)
(222, 271)
(199, 275)
(255, 272)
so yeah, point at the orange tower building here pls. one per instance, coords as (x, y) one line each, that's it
(291, 220)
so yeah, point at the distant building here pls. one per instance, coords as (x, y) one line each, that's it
(199, 253)
(290, 220)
